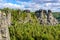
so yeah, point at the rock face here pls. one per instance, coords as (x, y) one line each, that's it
(46, 17)
(5, 20)
(27, 11)
(27, 18)
(50, 19)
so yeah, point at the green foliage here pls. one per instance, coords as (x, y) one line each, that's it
(31, 31)
(57, 15)
(34, 32)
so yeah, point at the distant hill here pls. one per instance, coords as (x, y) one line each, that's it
(57, 15)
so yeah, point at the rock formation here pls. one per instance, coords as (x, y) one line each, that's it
(5, 20)
(27, 11)
(50, 19)
(41, 15)
(27, 18)
(45, 17)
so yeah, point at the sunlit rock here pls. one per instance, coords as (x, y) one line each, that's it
(50, 19)
(45, 17)
(4, 24)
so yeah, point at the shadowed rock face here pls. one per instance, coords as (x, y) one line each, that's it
(49, 17)
(46, 17)
(49, 13)
(27, 11)
(37, 13)
(41, 15)
(51, 20)
(41, 12)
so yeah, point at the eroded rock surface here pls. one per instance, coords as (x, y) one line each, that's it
(5, 20)
(46, 17)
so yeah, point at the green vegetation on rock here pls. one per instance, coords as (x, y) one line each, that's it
(32, 30)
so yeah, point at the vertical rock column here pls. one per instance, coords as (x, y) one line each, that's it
(4, 27)
(8, 18)
(0, 27)
(50, 19)
(8, 23)
(43, 17)
(39, 15)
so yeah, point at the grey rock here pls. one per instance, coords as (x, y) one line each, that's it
(4, 24)
(45, 17)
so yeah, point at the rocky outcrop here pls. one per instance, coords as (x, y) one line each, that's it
(27, 18)
(5, 20)
(42, 17)
(50, 19)
(27, 11)
(45, 17)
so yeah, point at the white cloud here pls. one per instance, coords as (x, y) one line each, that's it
(10, 5)
(32, 5)
(1, 1)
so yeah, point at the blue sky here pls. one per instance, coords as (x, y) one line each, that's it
(32, 5)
